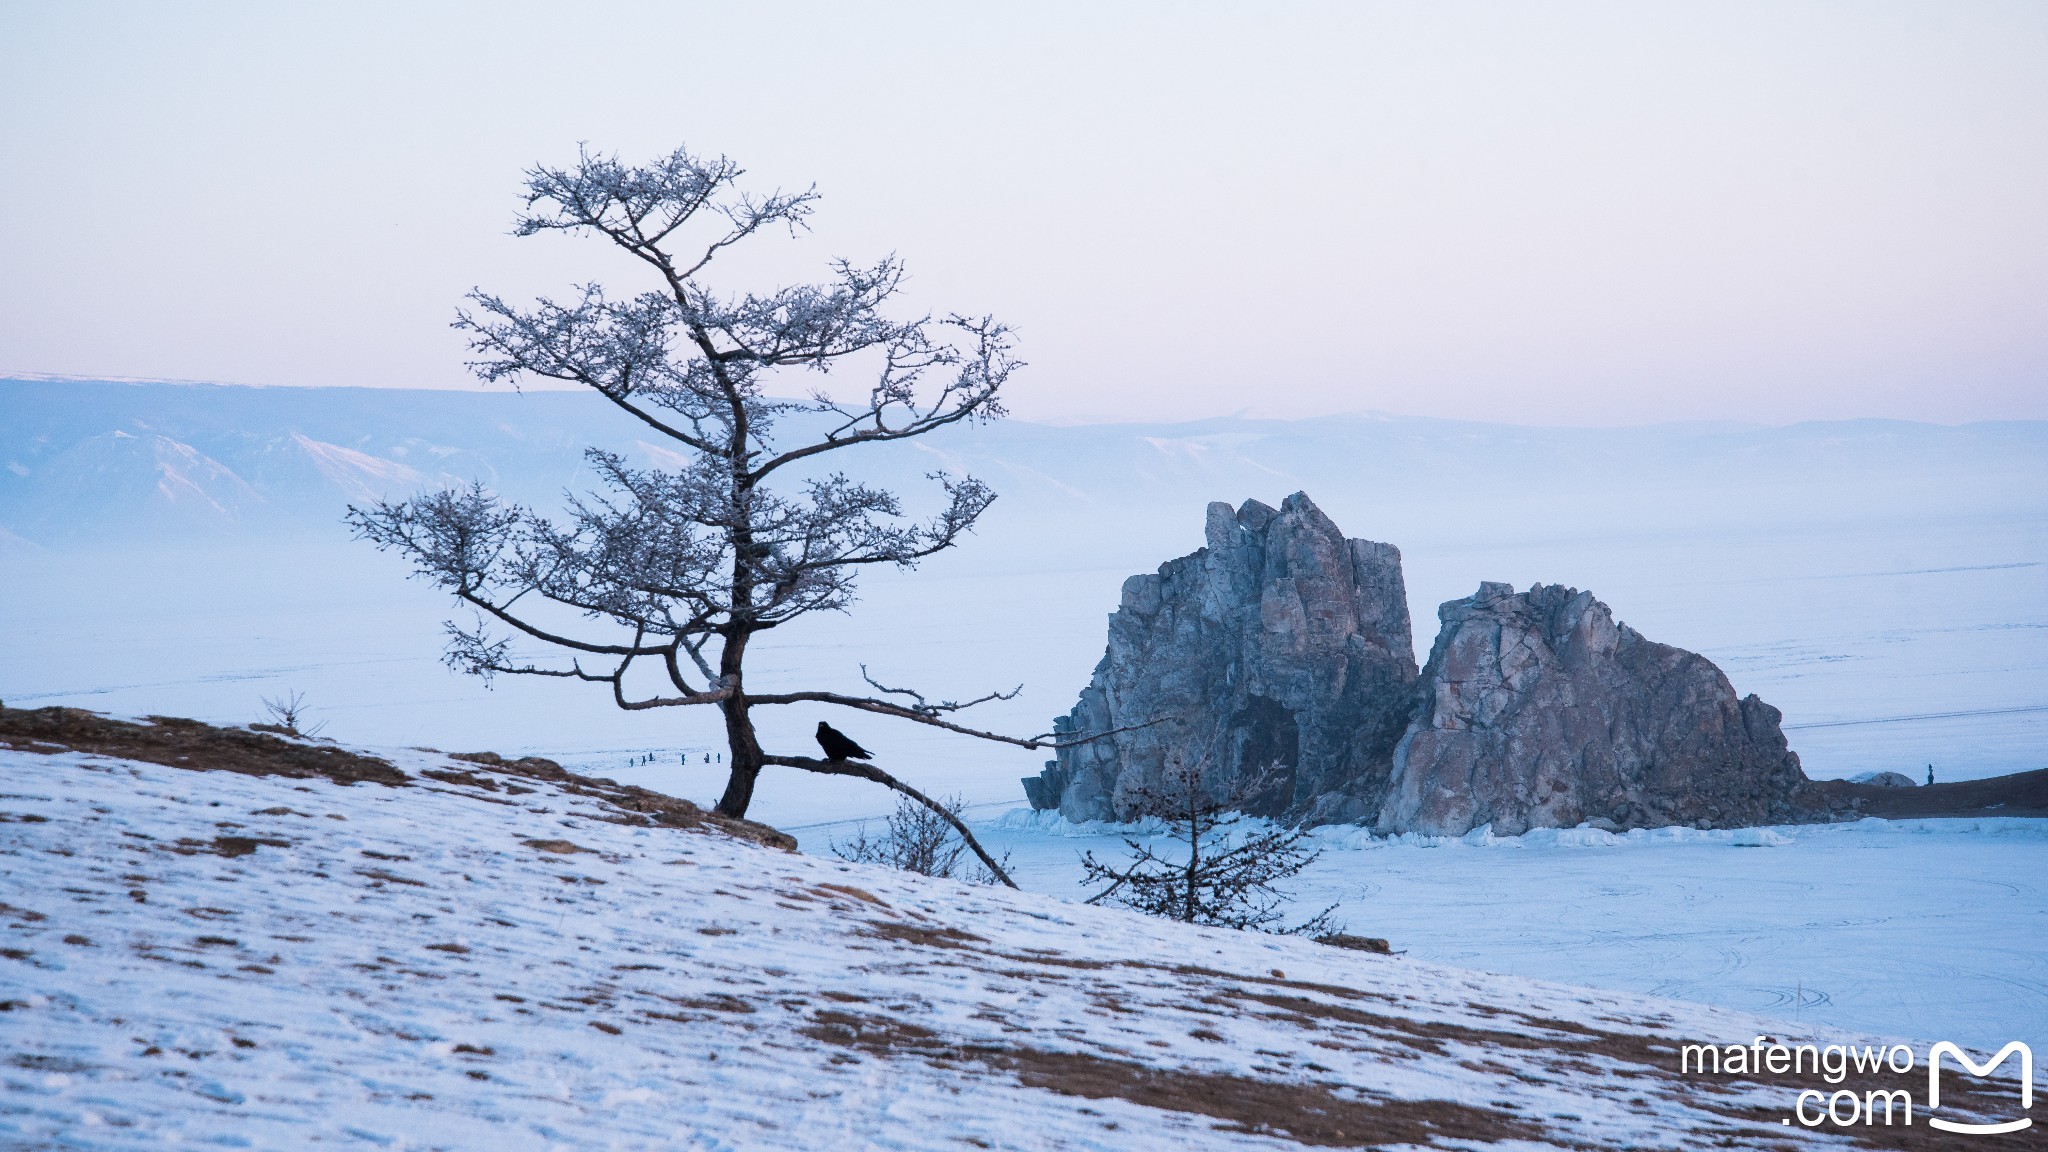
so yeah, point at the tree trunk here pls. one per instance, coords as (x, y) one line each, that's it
(740, 742)
(746, 758)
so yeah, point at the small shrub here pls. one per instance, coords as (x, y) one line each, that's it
(917, 839)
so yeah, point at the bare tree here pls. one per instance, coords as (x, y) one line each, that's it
(917, 839)
(287, 714)
(675, 569)
(1220, 877)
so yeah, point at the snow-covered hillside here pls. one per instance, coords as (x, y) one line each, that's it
(467, 956)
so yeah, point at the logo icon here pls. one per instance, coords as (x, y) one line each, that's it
(1984, 1069)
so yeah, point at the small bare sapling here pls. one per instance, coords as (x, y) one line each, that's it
(288, 716)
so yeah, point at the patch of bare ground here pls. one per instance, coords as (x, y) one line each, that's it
(229, 846)
(860, 894)
(921, 935)
(1646, 1064)
(715, 1002)
(1650, 1066)
(557, 847)
(1056, 959)
(1277, 981)
(1962, 1098)
(178, 743)
(1427, 1035)
(635, 805)
(1314, 1114)
(1374, 944)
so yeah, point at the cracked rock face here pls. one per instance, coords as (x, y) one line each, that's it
(1539, 710)
(1281, 648)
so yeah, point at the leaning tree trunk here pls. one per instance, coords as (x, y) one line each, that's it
(745, 751)
(741, 743)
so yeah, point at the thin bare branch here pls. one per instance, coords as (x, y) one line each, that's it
(889, 708)
(867, 771)
(930, 709)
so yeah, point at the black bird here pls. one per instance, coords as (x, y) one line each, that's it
(838, 745)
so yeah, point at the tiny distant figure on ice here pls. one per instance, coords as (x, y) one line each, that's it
(1930, 775)
(838, 745)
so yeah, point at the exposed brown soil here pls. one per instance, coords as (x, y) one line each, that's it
(1653, 1065)
(1305, 1113)
(1654, 1062)
(1648, 1062)
(1042, 956)
(1373, 944)
(229, 846)
(1312, 1114)
(1247, 978)
(2021, 794)
(178, 743)
(1428, 1035)
(636, 805)
(861, 894)
(940, 937)
(1981, 1100)
(716, 1002)
(558, 847)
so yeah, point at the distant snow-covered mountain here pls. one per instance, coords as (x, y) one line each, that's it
(96, 460)
(103, 459)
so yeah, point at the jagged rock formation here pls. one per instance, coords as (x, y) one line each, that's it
(1281, 648)
(1539, 710)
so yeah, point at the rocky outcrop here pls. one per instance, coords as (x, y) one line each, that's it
(1538, 710)
(1281, 649)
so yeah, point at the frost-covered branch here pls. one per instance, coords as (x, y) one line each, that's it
(680, 560)
(894, 410)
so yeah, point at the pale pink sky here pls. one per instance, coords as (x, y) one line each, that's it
(1546, 213)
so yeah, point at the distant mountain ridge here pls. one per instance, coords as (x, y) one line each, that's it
(90, 459)
(93, 459)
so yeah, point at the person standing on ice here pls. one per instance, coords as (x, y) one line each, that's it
(1930, 775)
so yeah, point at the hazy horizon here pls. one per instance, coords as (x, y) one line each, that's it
(1077, 420)
(1575, 214)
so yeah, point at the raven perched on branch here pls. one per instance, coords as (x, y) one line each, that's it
(838, 745)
